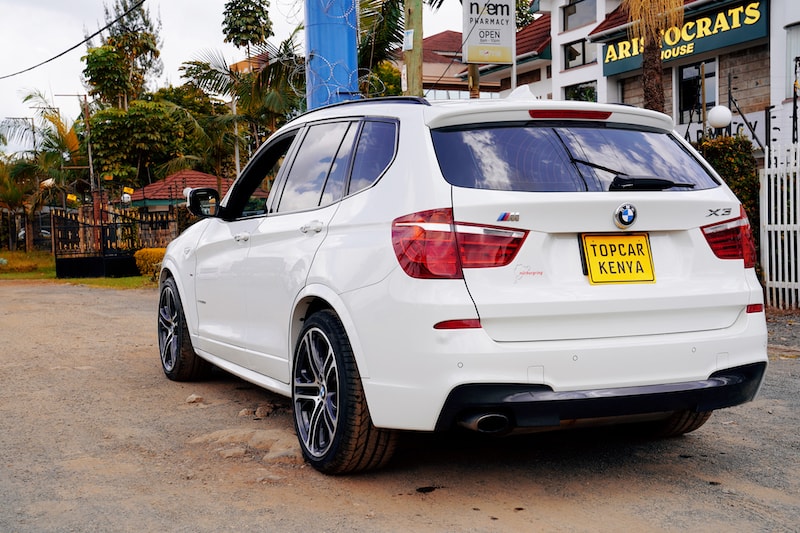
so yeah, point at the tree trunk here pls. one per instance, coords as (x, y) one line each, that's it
(652, 75)
(29, 234)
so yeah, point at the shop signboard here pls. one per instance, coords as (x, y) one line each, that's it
(489, 29)
(726, 25)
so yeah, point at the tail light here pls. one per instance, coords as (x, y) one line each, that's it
(430, 245)
(732, 239)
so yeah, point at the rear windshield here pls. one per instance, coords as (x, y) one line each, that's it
(557, 158)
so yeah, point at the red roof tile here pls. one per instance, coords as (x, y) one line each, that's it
(171, 187)
(618, 18)
(441, 48)
(534, 37)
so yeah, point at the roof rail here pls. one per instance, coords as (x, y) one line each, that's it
(418, 100)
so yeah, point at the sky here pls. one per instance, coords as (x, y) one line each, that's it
(33, 31)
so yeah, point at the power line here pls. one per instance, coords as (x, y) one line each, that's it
(92, 36)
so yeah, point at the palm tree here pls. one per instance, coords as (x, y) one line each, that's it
(266, 95)
(650, 18)
(381, 24)
(60, 159)
(12, 199)
(44, 173)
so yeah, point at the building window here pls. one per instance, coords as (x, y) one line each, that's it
(792, 52)
(578, 13)
(533, 76)
(585, 92)
(549, 71)
(579, 53)
(690, 92)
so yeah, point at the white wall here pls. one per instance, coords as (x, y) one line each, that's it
(783, 13)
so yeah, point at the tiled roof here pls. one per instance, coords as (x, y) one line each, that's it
(171, 187)
(534, 37)
(441, 48)
(619, 17)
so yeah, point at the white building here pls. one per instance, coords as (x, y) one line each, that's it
(753, 43)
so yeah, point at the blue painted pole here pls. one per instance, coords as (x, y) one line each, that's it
(331, 51)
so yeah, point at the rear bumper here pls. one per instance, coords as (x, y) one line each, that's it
(528, 406)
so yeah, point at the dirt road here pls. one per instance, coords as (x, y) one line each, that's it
(93, 437)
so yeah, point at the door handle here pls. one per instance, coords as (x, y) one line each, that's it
(241, 237)
(315, 226)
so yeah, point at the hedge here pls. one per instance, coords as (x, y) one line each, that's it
(733, 159)
(148, 261)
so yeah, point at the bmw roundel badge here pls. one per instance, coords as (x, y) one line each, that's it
(625, 216)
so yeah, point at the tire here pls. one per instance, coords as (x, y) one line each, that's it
(178, 359)
(331, 417)
(680, 423)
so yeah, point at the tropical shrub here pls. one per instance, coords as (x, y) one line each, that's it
(148, 261)
(733, 159)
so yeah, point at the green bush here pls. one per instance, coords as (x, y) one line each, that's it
(733, 159)
(148, 261)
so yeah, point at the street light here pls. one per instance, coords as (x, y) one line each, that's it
(719, 117)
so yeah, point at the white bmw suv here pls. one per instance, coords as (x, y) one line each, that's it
(517, 264)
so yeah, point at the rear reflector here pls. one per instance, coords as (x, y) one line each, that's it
(732, 239)
(755, 308)
(471, 323)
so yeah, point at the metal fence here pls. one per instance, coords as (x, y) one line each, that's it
(780, 226)
(88, 246)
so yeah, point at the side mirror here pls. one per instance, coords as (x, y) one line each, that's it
(203, 202)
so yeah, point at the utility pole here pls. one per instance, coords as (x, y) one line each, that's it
(412, 48)
(474, 80)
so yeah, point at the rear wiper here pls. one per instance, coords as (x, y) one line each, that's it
(624, 182)
(644, 183)
(597, 166)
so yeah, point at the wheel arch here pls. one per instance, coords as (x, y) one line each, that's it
(168, 269)
(314, 298)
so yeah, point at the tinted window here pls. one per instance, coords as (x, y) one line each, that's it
(334, 187)
(248, 196)
(376, 146)
(546, 158)
(309, 171)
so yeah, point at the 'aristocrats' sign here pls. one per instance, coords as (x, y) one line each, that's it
(723, 26)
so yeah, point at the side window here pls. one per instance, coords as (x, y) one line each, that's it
(375, 150)
(248, 196)
(309, 172)
(337, 179)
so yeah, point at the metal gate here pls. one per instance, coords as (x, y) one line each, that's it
(103, 246)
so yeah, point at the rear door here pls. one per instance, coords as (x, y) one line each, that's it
(600, 260)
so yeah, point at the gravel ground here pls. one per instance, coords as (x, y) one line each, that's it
(784, 328)
(93, 437)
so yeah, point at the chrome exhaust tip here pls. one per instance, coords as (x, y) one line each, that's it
(487, 423)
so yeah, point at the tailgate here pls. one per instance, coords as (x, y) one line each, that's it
(579, 276)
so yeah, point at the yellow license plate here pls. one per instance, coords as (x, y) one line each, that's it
(622, 258)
